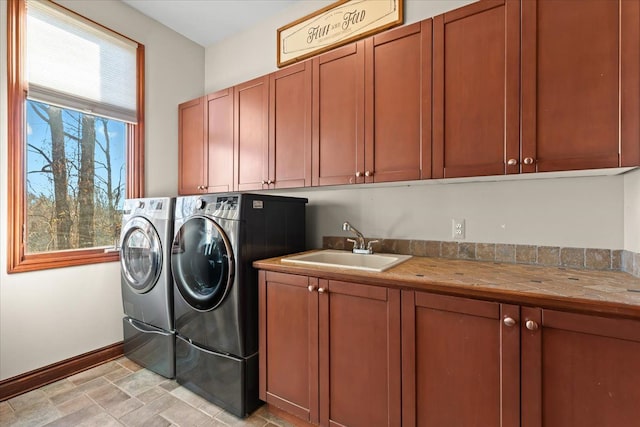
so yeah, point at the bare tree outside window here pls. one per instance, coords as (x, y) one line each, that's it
(75, 179)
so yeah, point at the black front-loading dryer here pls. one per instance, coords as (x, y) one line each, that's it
(217, 238)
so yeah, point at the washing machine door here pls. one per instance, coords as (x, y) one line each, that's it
(140, 255)
(202, 263)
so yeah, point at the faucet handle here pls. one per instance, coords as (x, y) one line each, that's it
(370, 245)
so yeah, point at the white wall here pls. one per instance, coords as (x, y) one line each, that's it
(553, 212)
(596, 212)
(52, 315)
(253, 53)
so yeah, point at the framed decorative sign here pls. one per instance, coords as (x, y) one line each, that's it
(335, 25)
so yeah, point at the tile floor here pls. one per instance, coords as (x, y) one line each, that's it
(121, 393)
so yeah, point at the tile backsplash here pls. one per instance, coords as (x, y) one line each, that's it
(585, 258)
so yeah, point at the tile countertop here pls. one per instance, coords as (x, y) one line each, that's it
(603, 293)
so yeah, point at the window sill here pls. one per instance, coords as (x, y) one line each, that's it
(62, 259)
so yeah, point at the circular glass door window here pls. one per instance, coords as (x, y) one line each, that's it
(140, 255)
(202, 263)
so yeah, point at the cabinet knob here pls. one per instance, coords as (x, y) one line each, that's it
(528, 161)
(512, 162)
(531, 325)
(358, 174)
(321, 290)
(368, 173)
(264, 182)
(311, 288)
(509, 321)
(270, 182)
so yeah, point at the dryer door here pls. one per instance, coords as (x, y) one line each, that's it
(202, 263)
(140, 255)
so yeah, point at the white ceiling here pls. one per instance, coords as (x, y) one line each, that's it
(208, 21)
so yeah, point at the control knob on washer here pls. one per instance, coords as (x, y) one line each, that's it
(200, 203)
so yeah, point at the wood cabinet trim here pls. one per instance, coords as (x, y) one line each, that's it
(427, 90)
(510, 366)
(184, 187)
(408, 342)
(473, 307)
(498, 134)
(624, 329)
(262, 82)
(471, 9)
(303, 180)
(630, 83)
(396, 33)
(437, 149)
(531, 369)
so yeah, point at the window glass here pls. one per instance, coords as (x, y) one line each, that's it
(75, 179)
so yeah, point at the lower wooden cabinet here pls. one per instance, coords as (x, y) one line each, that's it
(339, 353)
(330, 350)
(460, 362)
(579, 370)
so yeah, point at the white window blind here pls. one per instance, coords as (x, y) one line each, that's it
(74, 63)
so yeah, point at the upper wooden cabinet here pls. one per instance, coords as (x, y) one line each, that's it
(220, 141)
(580, 84)
(475, 90)
(495, 87)
(372, 109)
(290, 127)
(205, 144)
(192, 146)
(397, 104)
(338, 116)
(251, 134)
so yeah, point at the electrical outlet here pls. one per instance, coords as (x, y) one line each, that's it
(457, 229)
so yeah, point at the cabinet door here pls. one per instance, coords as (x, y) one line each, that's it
(192, 148)
(338, 116)
(476, 90)
(290, 127)
(288, 336)
(460, 362)
(577, 62)
(579, 370)
(398, 104)
(251, 134)
(220, 141)
(359, 354)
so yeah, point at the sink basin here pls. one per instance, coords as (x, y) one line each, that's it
(344, 259)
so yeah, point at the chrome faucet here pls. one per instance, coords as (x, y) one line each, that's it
(358, 243)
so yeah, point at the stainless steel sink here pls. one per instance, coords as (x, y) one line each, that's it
(344, 259)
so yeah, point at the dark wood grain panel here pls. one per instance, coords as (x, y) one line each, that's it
(191, 146)
(449, 386)
(359, 337)
(289, 344)
(396, 74)
(220, 141)
(570, 96)
(251, 134)
(338, 116)
(476, 89)
(630, 83)
(573, 373)
(290, 126)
